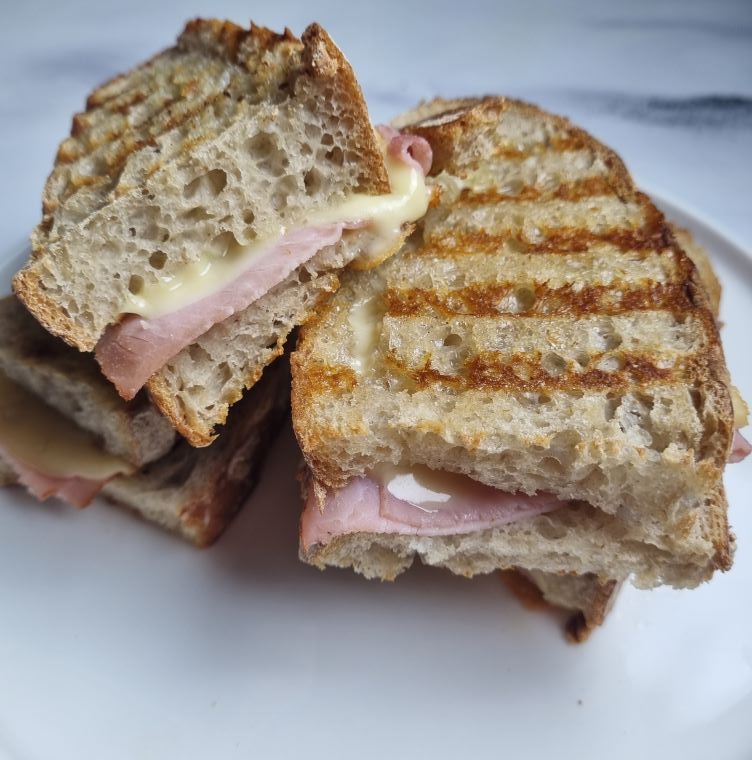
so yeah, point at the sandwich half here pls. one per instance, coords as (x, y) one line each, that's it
(535, 381)
(64, 432)
(203, 206)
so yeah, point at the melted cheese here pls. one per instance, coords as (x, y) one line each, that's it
(41, 437)
(739, 405)
(226, 260)
(425, 488)
(221, 263)
(407, 202)
(364, 321)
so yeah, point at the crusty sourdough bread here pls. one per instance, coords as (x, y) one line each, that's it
(541, 331)
(227, 136)
(72, 383)
(196, 492)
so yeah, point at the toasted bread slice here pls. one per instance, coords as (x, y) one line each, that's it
(72, 383)
(542, 331)
(225, 139)
(197, 492)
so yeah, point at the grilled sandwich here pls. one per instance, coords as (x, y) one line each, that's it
(64, 432)
(203, 206)
(535, 381)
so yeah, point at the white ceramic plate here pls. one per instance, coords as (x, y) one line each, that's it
(118, 641)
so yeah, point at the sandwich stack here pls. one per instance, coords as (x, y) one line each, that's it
(507, 359)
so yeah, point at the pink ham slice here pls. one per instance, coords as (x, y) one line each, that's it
(131, 351)
(477, 508)
(365, 506)
(410, 149)
(76, 491)
(740, 448)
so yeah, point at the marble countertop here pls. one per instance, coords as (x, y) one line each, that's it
(667, 84)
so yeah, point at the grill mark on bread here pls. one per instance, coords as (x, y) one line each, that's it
(652, 235)
(334, 379)
(562, 240)
(149, 131)
(82, 143)
(522, 372)
(105, 92)
(539, 299)
(556, 144)
(89, 141)
(120, 104)
(127, 100)
(588, 187)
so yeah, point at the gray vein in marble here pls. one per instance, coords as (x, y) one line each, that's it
(700, 112)
(673, 25)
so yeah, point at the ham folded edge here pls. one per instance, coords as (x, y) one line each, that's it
(74, 490)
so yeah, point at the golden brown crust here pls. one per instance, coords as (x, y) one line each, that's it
(327, 62)
(701, 260)
(594, 605)
(524, 589)
(27, 289)
(583, 622)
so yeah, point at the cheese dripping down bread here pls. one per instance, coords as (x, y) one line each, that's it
(202, 208)
(542, 333)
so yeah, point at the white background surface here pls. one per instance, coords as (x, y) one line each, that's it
(119, 642)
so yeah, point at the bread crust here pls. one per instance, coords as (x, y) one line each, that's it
(213, 483)
(583, 622)
(587, 598)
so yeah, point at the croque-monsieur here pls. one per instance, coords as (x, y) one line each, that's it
(535, 381)
(203, 206)
(65, 432)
